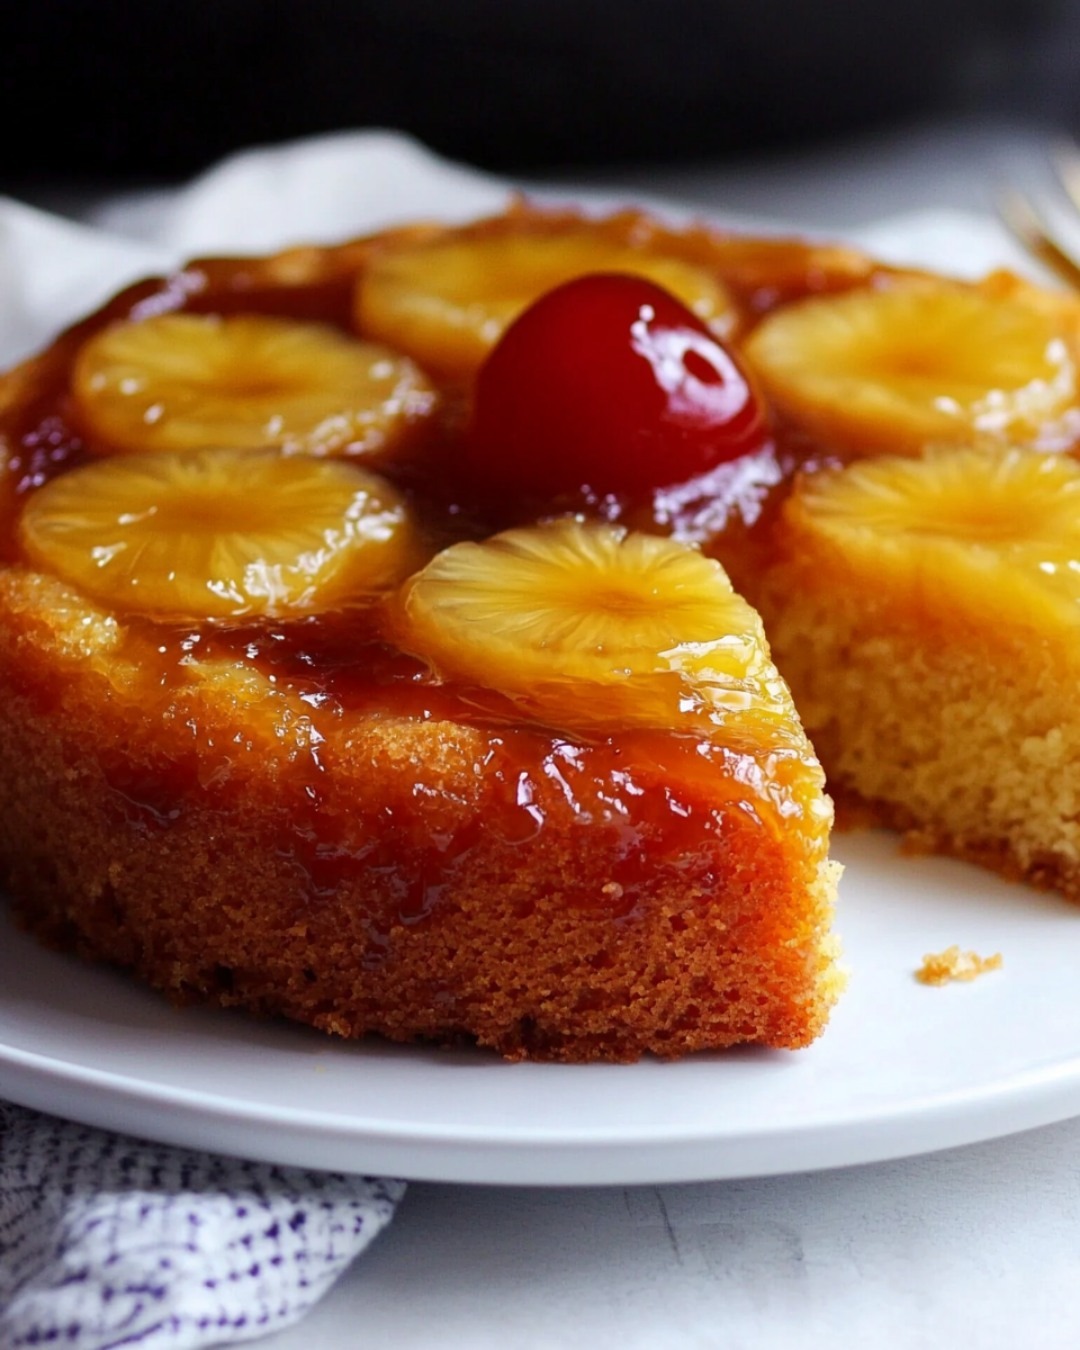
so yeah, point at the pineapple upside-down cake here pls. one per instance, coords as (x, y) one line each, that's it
(370, 655)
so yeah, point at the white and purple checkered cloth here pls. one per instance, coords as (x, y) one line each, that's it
(110, 1242)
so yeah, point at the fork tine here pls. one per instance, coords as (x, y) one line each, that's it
(1029, 229)
(1065, 158)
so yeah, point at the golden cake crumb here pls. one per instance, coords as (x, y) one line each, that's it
(953, 964)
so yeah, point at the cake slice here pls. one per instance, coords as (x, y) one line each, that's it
(926, 612)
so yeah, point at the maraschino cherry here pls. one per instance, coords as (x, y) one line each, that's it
(608, 383)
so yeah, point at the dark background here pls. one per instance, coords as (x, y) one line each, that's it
(145, 92)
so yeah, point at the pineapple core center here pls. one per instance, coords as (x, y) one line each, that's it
(242, 381)
(980, 522)
(629, 603)
(213, 513)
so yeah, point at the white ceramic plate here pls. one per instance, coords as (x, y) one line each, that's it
(902, 1069)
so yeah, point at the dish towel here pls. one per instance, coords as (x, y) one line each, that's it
(108, 1242)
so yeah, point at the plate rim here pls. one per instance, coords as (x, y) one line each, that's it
(1033, 1097)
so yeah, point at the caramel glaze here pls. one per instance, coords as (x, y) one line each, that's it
(659, 796)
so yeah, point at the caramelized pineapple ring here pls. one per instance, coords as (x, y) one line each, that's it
(895, 366)
(447, 301)
(189, 382)
(999, 530)
(220, 533)
(589, 627)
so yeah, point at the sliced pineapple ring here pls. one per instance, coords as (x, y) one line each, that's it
(590, 627)
(446, 302)
(895, 366)
(997, 529)
(190, 382)
(221, 533)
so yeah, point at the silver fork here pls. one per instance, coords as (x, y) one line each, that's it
(1030, 221)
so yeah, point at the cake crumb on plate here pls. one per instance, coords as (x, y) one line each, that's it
(953, 964)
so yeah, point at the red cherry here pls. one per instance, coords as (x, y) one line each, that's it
(608, 382)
